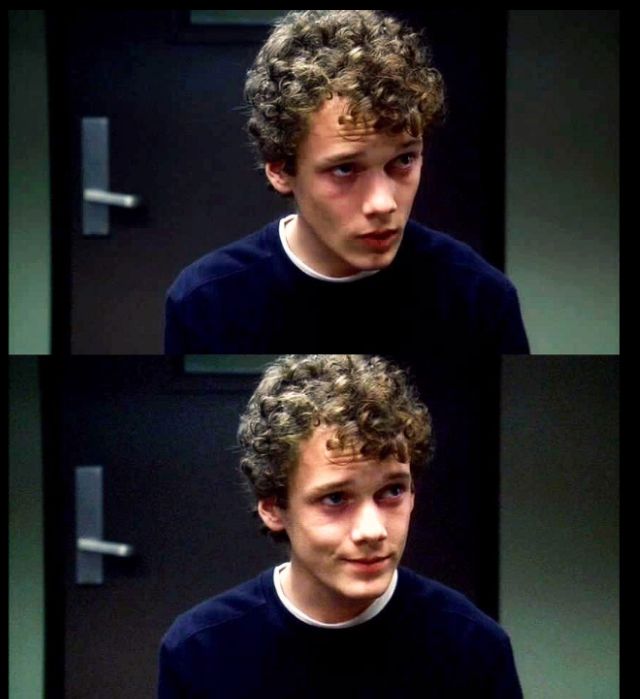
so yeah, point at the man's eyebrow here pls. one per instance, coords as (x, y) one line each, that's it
(333, 486)
(411, 143)
(398, 476)
(329, 487)
(342, 157)
(347, 156)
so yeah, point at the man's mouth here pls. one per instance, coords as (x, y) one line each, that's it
(380, 240)
(373, 559)
(380, 234)
(371, 564)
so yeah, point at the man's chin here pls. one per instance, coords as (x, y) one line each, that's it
(378, 262)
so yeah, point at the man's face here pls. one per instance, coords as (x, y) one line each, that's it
(347, 520)
(354, 188)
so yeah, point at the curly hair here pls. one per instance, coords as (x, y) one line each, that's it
(367, 399)
(380, 65)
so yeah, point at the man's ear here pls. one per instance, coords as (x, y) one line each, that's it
(271, 514)
(280, 180)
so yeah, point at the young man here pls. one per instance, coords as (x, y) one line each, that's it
(342, 103)
(331, 446)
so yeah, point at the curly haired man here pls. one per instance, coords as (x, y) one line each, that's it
(341, 106)
(331, 446)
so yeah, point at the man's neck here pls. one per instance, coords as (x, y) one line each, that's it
(329, 609)
(286, 225)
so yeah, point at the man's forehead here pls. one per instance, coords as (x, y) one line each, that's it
(346, 471)
(332, 136)
(355, 130)
(323, 447)
(333, 118)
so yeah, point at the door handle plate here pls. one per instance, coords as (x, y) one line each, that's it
(95, 174)
(90, 546)
(96, 197)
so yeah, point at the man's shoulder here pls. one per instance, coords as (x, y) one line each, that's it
(448, 257)
(243, 258)
(470, 650)
(237, 604)
(447, 254)
(468, 291)
(449, 610)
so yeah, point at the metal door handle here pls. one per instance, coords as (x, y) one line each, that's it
(106, 548)
(99, 196)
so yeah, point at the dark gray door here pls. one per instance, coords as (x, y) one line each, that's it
(172, 94)
(176, 140)
(165, 442)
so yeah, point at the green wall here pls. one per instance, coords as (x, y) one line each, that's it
(562, 190)
(559, 542)
(29, 218)
(26, 557)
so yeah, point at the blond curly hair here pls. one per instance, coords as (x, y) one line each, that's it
(368, 401)
(380, 65)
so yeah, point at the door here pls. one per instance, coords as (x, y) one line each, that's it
(169, 93)
(170, 490)
(164, 441)
(176, 141)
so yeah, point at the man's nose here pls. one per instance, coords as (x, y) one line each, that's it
(380, 195)
(368, 524)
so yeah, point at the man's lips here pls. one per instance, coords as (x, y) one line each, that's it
(380, 240)
(379, 235)
(370, 565)
(373, 559)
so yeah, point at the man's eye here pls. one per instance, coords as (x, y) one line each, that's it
(333, 499)
(394, 491)
(344, 170)
(406, 160)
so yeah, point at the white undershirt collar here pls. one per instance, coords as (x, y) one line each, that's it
(372, 610)
(284, 222)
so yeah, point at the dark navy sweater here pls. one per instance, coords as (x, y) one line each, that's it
(428, 641)
(438, 296)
